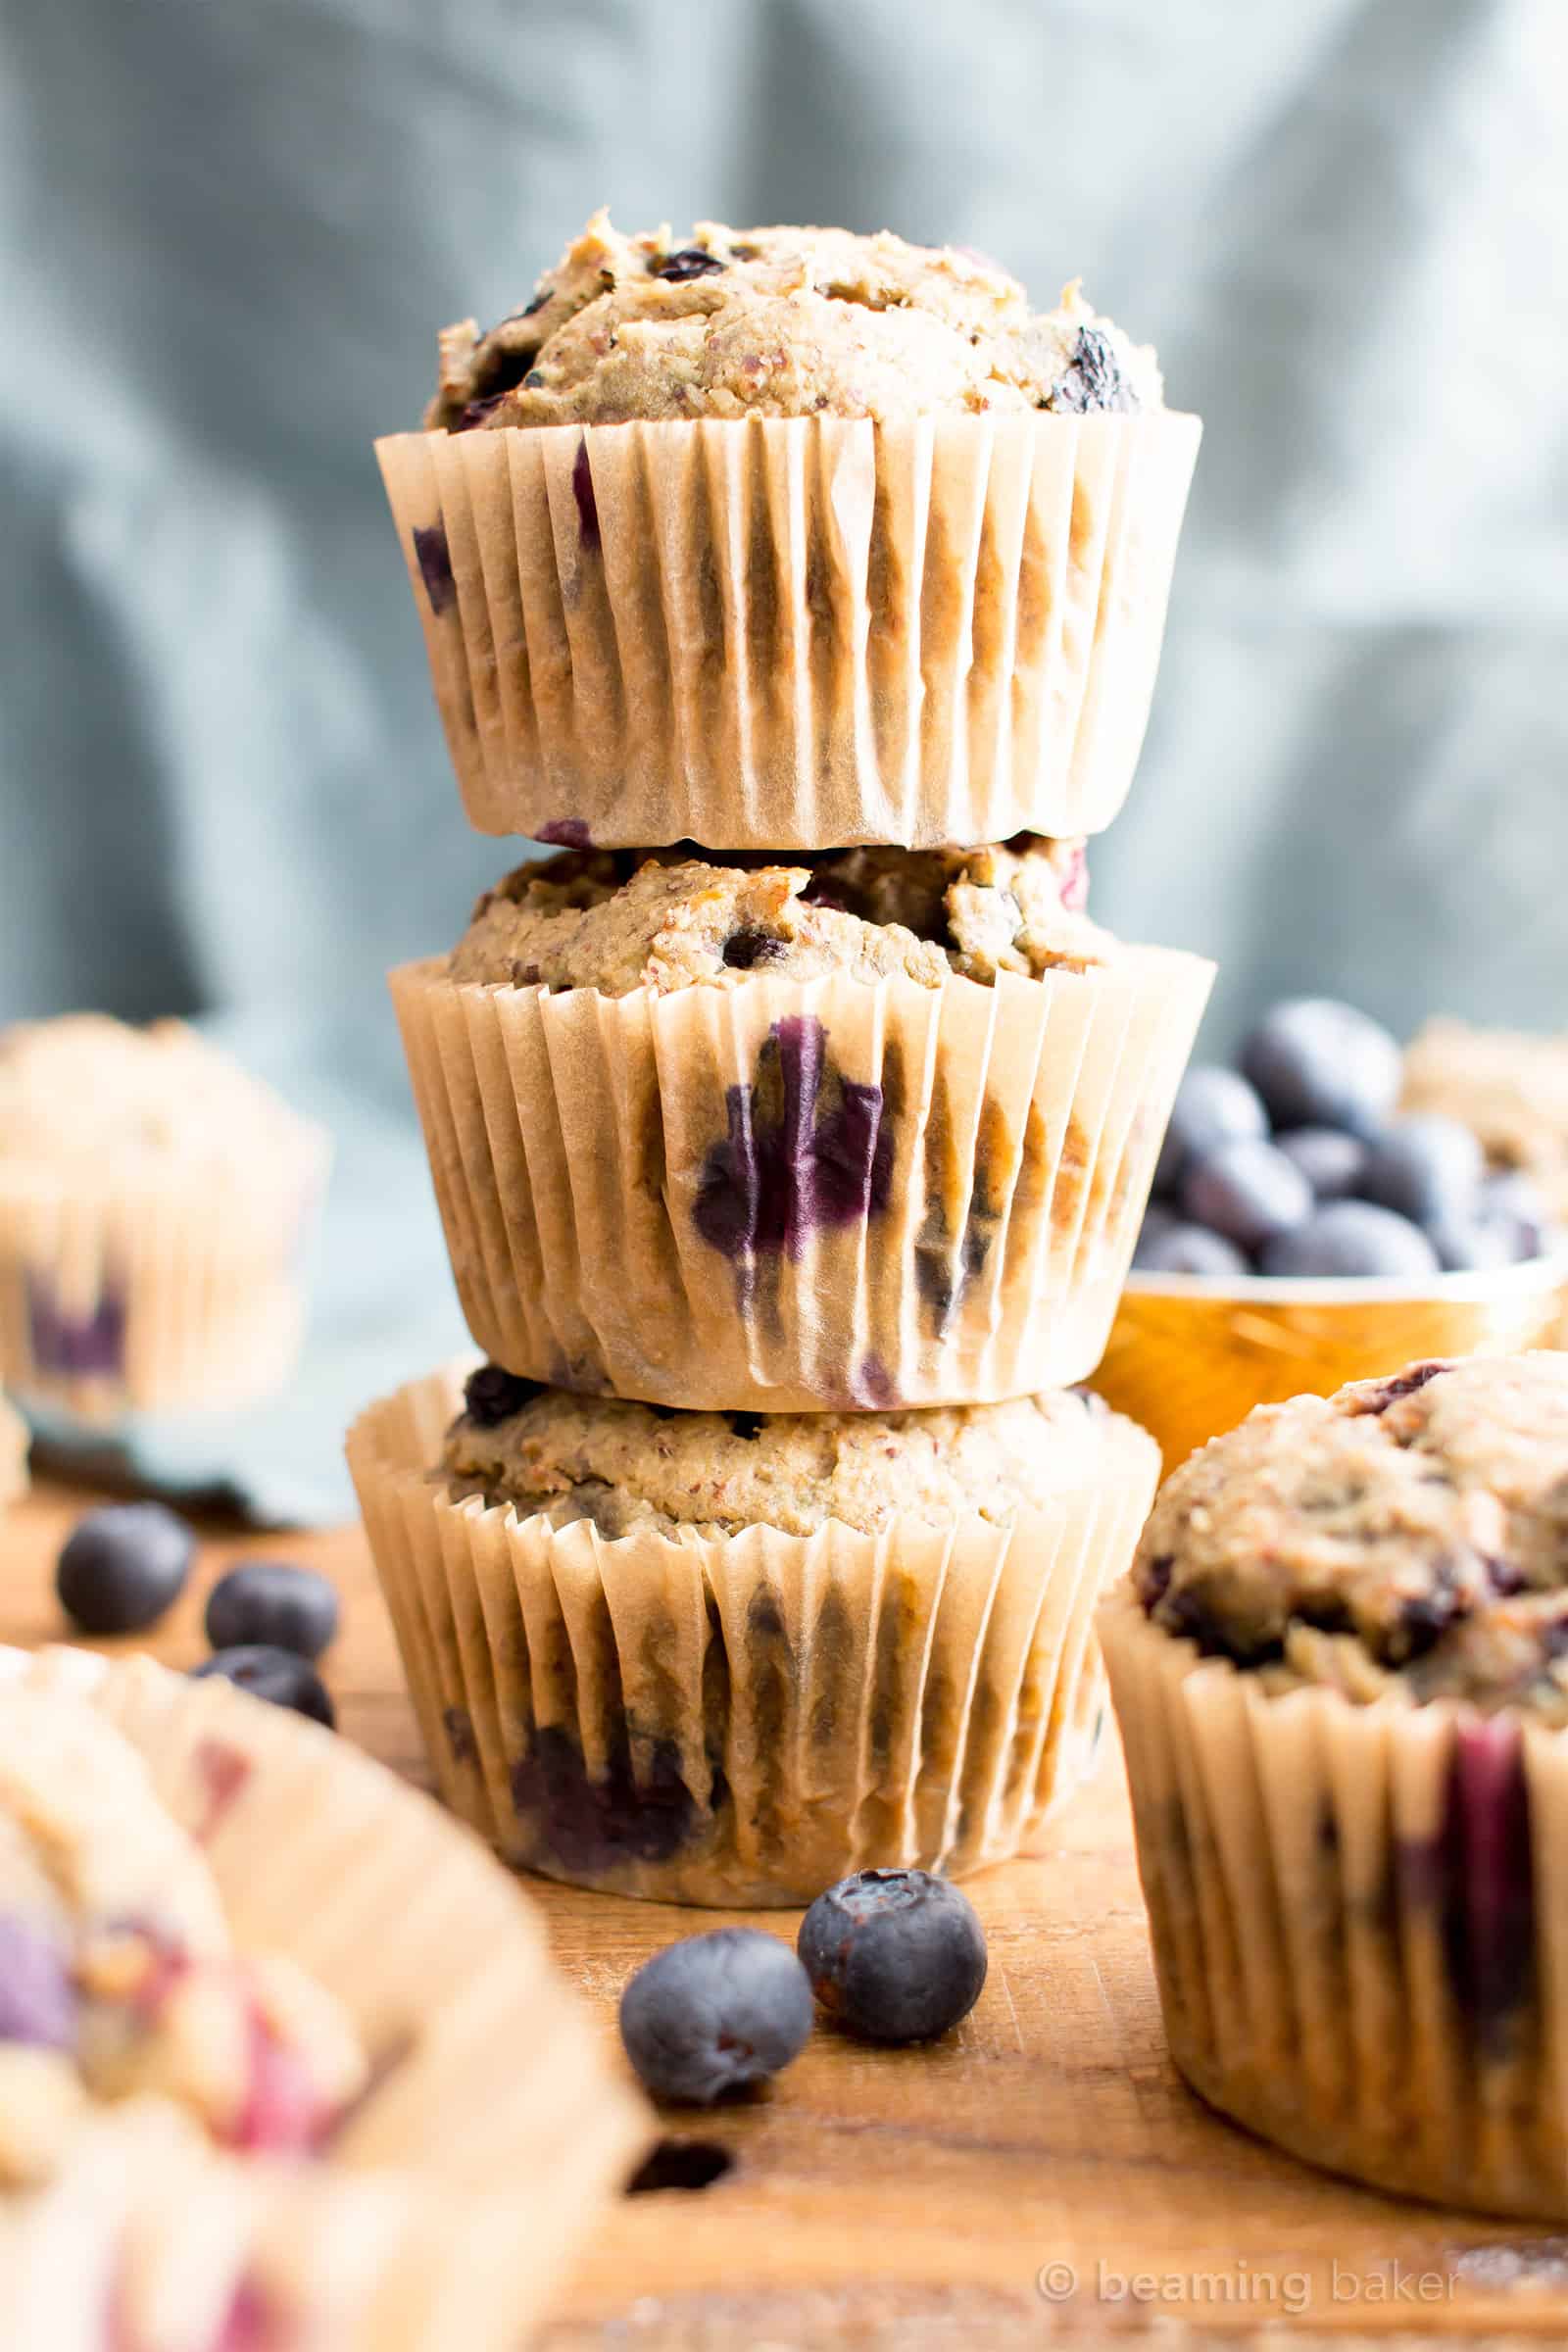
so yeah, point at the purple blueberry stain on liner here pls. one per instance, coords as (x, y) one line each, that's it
(582, 490)
(786, 1167)
(565, 833)
(434, 558)
(73, 1346)
(457, 1724)
(590, 1825)
(1478, 1874)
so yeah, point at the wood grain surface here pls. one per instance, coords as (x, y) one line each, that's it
(1040, 2178)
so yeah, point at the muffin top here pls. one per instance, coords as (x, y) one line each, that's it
(1409, 1536)
(90, 1089)
(780, 322)
(617, 920)
(646, 1468)
(117, 1978)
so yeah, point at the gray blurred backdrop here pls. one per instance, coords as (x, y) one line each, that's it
(232, 228)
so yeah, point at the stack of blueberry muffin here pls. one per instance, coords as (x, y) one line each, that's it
(791, 1125)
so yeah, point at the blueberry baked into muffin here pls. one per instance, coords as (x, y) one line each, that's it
(1341, 1670)
(726, 1657)
(873, 1128)
(788, 538)
(155, 1204)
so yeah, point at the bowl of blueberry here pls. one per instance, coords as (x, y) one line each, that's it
(1305, 1232)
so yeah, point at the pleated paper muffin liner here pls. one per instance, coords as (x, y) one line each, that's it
(13, 1455)
(791, 633)
(452, 2194)
(794, 1196)
(156, 1297)
(1359, 1917)
(742, 1720)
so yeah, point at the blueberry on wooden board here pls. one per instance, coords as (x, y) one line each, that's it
(121, 1567)
(894, 1955)
(273, 1605)
(275, 1675)
(715, 2013)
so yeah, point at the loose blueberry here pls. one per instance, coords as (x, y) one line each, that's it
(1352, 1237)
(894, 1955)
(1247, 1191)
(121, 1567)
(712, 2014)
(1180, 1249)
(1320, 1064)
(1212, 1106)
(1473, 1245)
(1331, 1160)
(270, 1604)
(275, 1675)
(38, 1999)
(1424, 1167)
(1517, 1200)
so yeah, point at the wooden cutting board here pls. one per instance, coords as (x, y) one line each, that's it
(1043, 2175)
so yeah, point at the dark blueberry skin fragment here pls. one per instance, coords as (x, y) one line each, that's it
(76, 1346)
(275, 1675)
(783, 1170)
(675, 268)
(713, 2014)
(1424, 1167)
(1379, 1397)
(1093, 379)
(1177, 1248)
(434, 558)
(121, 1567)
(272, 1606)
(894, 1955)
(1352, 1237)
(1331, 1160)
(1247, 1191)
(1212, 1106)
(1319, 1064)
(490, 1395)
(591, 1826)
(38, 1998)
(582, 490)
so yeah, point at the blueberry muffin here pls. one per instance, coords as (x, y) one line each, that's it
(871, 1129)
(237, 2085)
(791, 538)
(1338, 1667)
(155, 1204)
(726, 1657)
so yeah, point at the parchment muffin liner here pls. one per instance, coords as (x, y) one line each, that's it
(14, 1445)
(120, 1297)
(453, 2196)
(799, 1197)
(741, 1720)
(796, 632)
(1359, 1917)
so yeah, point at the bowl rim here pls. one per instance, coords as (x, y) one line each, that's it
(1531, 1276)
